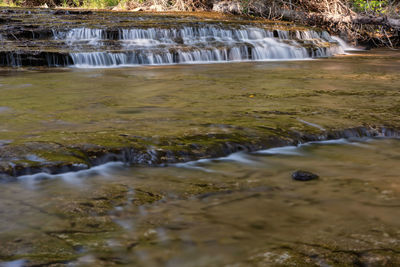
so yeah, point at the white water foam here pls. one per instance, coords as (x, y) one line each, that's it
(242, 157)
(105, 170)
(344, 45)
(194, 45)
(312, 124)
(285, 150)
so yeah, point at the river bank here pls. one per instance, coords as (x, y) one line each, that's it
(358, 22)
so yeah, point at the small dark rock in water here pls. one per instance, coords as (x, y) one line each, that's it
(304, 176)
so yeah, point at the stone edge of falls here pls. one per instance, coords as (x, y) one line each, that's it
(352, 136)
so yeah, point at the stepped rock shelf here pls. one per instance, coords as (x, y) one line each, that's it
(38, 37)
(57, 120)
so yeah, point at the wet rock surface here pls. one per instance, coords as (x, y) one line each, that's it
(161, 117)
(17, 161)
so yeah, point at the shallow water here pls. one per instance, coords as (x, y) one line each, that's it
(243, 209)
(240, 210)
(116, 106)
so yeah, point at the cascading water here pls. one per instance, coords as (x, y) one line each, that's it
(208, 44)
(157, 40)
(344, 45)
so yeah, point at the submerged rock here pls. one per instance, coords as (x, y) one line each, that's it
(304, 176)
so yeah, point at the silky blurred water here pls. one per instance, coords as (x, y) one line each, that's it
(240, 210)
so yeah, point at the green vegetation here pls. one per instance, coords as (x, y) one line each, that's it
(92, 4)
(376, 6)
(245, 6)
(99, 3)
(6, 3)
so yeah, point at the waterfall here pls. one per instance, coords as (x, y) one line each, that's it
(193, 43)
(201, 44)
(343, 44)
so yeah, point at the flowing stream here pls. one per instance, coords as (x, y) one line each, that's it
(181, 197)
(243, 209)
(251, 212)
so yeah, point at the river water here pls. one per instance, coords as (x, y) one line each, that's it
(243, 209)
(239, 210)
